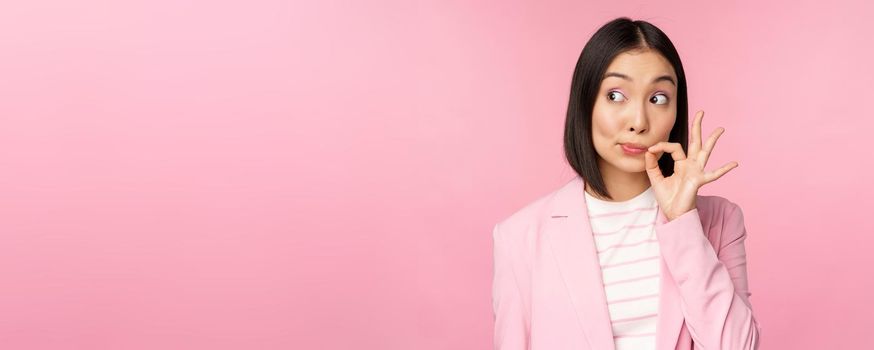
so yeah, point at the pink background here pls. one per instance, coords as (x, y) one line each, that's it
(325, 175)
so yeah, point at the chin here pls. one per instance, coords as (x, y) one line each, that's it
(630, 165)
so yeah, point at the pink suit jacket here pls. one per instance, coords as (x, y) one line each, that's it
(547, 291)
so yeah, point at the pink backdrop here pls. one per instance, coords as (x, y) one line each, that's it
(274, 175)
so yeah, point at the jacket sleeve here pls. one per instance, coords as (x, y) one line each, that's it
(511, 324)
(713, 285)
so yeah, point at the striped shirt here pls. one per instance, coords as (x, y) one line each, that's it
(628, 250)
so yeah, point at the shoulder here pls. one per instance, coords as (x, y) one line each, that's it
(721, 219)
(528, 216)
(713, 203)
(716, 208)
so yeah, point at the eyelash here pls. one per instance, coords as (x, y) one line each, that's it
(668, 99)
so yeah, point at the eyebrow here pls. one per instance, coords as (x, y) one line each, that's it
(658, 79)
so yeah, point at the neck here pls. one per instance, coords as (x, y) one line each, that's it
(621, 185)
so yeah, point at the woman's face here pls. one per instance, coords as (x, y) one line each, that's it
(636, 103)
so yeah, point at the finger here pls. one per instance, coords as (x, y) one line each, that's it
(716, 174)
(695, 140)
(652, 167)
(674, 148)
(708, 148)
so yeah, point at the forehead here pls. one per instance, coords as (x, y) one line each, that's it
(641, 66)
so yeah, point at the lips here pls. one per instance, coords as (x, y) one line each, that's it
(633, 148)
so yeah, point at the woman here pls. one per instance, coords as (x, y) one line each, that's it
(626, 255)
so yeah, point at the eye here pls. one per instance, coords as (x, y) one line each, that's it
(656, 100)
(613, 94)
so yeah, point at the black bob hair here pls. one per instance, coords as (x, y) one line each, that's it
(617, 36)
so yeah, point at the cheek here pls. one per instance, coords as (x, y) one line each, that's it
(663, 126)
(604, 131)
(604, 126)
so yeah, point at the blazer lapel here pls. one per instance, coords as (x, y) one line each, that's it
(570, 235)
(670, 318)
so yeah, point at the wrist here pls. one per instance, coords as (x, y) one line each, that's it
(672, 216)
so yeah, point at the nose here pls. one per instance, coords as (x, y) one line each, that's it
(638, 122)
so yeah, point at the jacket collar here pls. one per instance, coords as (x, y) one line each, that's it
(570, 235)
